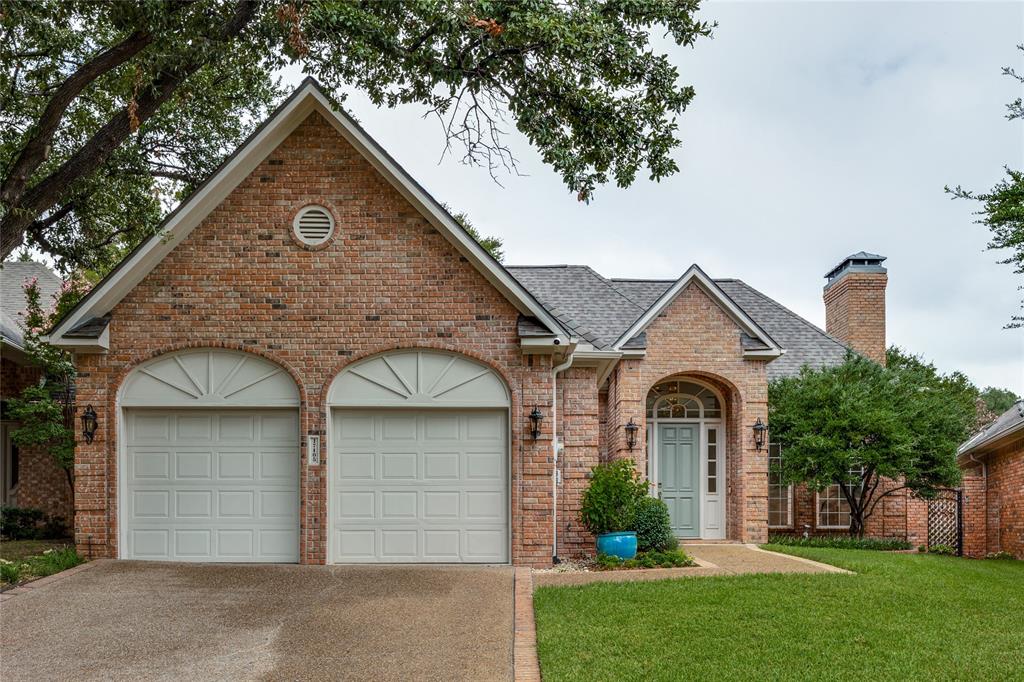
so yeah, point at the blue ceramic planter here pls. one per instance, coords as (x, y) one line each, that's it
(622, 545)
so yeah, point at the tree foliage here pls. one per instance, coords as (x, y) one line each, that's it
(44, 411)
(1002, 207)
(492, 245)
(998, 400)
(854, 424)
(112, 111)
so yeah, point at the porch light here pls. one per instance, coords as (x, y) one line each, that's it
(631, 430)
(535, 419)
(89, 423)
(760, 431)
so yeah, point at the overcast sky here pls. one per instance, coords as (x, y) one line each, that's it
(818, 130)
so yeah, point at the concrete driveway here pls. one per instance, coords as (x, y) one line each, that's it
(140, 620)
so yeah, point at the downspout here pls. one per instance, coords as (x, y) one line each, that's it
(556, 447)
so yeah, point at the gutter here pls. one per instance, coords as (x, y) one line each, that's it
(556, 448)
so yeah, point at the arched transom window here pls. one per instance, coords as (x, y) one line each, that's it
(680, 399)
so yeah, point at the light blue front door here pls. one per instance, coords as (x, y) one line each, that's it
(679, 476)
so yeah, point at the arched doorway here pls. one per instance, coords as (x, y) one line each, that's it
(419, 460)
(209, 459)
(686, 455)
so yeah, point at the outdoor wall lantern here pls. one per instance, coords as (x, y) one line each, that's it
(535, 419)
(631, 430)
(89, 423)
(760, 431)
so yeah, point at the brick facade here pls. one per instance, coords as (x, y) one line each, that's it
(41, 483)
(389, 280)
(695, 338)
(855, 312)
(994, 501)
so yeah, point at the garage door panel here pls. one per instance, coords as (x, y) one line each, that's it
(233, 497)
(439, 496)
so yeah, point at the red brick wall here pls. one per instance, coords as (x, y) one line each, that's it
(695, 337)
(41, 483)
(388, 280)
(900, 515)
(996, 508)
(855, 312)
(578, 424)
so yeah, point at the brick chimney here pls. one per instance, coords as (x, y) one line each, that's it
(855, 304)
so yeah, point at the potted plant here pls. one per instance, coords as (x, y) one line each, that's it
(609, 507)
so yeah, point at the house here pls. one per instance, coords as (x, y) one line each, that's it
(992, 462)
(29, 477)
(313, 362)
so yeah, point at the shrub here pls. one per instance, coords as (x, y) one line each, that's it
(609, 502)
(1000, 555)
(653, 526)
(840, 542)
(672, 558)
(945, 550)
(22, 523)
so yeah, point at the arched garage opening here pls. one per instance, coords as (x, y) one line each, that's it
(419, 460)
(209, 459)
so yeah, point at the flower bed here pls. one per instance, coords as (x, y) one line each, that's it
(840, 542)
(670, 558)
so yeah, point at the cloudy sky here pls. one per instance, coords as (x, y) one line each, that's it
(818, 130)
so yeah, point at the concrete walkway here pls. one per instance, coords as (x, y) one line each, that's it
(127, 620)
(712, 559)
(734, 559)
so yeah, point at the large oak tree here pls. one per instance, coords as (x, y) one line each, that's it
(111, 111)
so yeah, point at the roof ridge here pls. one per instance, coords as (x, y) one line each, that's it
(801, 318)
(614, 288)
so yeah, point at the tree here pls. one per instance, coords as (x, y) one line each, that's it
(999, 400)
(493, 245)
(45, 411)
(113, 111)
(1002, 208)
(854, 424)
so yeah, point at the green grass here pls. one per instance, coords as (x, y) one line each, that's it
(47, 562)
(903, 616)
(13, 550)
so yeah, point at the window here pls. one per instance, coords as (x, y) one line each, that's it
(712, 461)
(780, 497)
(833, 509)
(682, 400)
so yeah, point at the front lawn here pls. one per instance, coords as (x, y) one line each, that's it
(902, 616)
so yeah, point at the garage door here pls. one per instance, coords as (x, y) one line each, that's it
(212, 485)
(419, 486)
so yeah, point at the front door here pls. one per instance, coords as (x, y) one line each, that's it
(679, 476)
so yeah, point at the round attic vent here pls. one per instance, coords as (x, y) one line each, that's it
(313, 225)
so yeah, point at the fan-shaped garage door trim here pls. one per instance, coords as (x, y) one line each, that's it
(209, 377)
(418, 378)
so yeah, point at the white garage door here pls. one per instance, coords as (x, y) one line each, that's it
(212, 485)
(419, 486)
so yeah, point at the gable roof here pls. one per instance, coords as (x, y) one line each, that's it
(309, 97)
(568, 285)
(13, 275)
(766, 345)
(1006, 424)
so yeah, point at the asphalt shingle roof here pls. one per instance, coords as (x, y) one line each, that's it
(1012, 419)
(605, 308)
(13, 276)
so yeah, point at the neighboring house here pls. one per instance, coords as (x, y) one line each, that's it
(313, 362)
(29, 477)
(993, 486)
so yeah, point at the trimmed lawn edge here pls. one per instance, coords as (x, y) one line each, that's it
(35, 583)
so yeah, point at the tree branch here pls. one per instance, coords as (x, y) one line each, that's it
(98, 149)
(37, 148)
